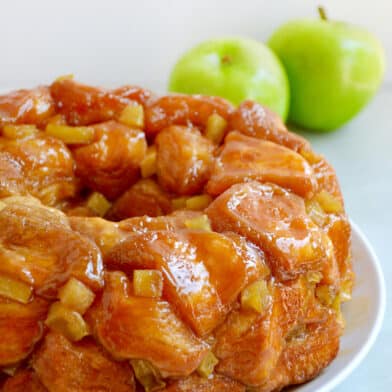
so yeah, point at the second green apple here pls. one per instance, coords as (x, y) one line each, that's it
(334, 69)
(235, 69)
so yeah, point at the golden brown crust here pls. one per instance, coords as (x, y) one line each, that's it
(26, 106)
(63, 366)
(193, 256)
(110, 164)
(183, 110)
(138, 327)
(276, 221)
(24, 381)
(35, 165)
(86, 105)
(184, 160)
(198, 384)
(255, 120)
(245, 158)
(39, 248)
(21, 327)
(146, 197)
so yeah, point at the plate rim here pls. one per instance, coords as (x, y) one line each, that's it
(379, 319)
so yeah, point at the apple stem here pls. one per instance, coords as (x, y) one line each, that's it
(226, 59)
(322, 13)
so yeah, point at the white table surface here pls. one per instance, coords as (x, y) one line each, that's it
(361, 153)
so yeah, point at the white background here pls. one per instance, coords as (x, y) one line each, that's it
(116, 42)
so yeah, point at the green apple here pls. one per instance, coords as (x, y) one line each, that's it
(334, 69)
(235, 69)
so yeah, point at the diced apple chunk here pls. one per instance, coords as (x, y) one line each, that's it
(256, 296)
(14, 289)
(329, 203)
(147, 375)
(346, 290)
(314, 277)
(315, 212)
(57, 119)
(148, 165)
(179, 202)
(98, 203)
(148, 283)
(19, 131)
(198, 202)
(325, 294)
(133, 116)
(215, 130)
(65, 77)
(199, 223)
(71, 135)
(207, 365)
(76, 296)
(336, 306)
(66, 321)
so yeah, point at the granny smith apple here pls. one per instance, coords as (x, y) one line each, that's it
(334, 69)
(235, 69)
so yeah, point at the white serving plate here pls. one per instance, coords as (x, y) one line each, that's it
(363, 314)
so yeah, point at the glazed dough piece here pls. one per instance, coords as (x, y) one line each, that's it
(335, 224)
(26, 106)
(132, 327)
(39, 247)
(108, 234)
(184, 160)
(110, 164)
(103, 233)
(194, 383)
(24, 381)
(248, 345)
(246, 158)
(306, 355)
(187, 110)
(253, 119)
(38, 165)
(276, 221)
(85, 105)
(146, 197)
(324, 173)
(203, 271)
(21, 326)
(63, 366)
(11, 176)
(252, 348)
